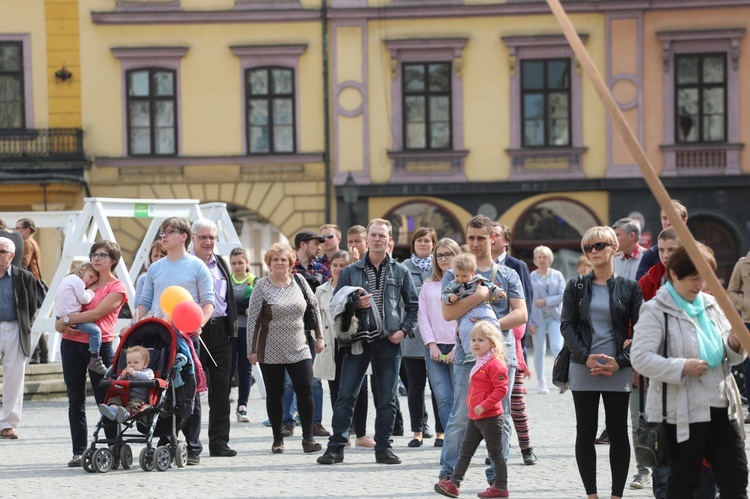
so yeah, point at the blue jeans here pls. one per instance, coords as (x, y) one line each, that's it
(440, 375)
(95, 335)
(75, 359)
(244, 368)
(290, 399)
(386, 359)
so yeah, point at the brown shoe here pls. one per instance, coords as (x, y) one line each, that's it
(8, 433)
(319, 431)
(287, 429)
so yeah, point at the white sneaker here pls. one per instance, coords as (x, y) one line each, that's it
(242, 416)
(542, 387)
(640, 481)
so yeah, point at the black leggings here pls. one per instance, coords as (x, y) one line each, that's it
(360, 407)
(302, 379)
(616, 406)
(416, 377)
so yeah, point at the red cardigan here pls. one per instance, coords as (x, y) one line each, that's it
(488, 387)
(651, 281)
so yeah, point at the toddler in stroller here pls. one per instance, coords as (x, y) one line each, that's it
(137, 369)
(150, 391)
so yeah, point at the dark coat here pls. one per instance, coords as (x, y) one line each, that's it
(231, 303)
(523, 272)
(625, 301)
(24, 287)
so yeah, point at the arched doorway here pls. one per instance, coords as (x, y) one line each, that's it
(411, 215)
(558, 223)
(256, 234)
(720, 237)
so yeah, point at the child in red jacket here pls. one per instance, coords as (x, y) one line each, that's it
(488, 386)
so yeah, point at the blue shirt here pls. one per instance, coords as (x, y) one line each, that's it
(189, 272)
(8, 306)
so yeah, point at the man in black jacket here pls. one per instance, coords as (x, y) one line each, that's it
(17, 311)
(217, 337)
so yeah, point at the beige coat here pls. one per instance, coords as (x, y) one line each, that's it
(324, 365)
(687, 396)
(739, 287)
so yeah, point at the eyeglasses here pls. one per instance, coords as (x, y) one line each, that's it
(329, 236)
(444, 256)
(169, 232)
(206, 238)
(100, 256)
(5, 252)
(596, 246)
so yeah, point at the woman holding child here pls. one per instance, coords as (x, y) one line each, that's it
(598, 309)
(109, 297)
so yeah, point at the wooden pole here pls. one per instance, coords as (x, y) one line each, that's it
(652, 179)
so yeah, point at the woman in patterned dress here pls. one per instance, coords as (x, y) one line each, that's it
(276, 340)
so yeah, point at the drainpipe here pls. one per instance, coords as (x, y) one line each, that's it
(326, 114)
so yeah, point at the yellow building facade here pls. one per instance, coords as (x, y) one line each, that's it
(301, 112)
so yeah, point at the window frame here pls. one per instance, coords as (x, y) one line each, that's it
(27, 88)
(570, 157)
(167, 58)
(701, 42)
(427, 94)
(152, 99)
(545, 91)
(280, 56)
(700, 86)
(270, 97)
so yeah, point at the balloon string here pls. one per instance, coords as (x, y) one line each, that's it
(208, 351)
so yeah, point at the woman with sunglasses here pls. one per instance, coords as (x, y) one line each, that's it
(438, 335)
(599, 309)
(109, 297)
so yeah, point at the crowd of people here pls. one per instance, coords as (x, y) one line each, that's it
(455, 320)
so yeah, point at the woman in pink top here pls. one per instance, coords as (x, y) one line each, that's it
(109, 297)
(439, 335)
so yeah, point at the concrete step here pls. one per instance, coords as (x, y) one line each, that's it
(43, 381)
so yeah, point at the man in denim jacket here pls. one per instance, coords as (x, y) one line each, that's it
(390, 286)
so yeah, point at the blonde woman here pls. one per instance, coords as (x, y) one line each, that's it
(548, 286)
(598, 309)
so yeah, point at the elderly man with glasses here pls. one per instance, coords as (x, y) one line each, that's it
(17, 310)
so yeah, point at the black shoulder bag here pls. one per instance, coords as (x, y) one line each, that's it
(651, 438)
(311, 321)
(561, 368)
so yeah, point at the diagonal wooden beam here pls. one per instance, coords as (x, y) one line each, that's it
(647, 169)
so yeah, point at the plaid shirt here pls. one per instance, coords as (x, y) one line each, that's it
(315, 271)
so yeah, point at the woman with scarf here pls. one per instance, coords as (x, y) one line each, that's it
(412, 349)
(703, 402)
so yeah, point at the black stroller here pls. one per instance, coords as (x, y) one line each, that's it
(170, 402)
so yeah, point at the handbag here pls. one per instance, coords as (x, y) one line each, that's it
(310, 319)
(651, 438)
(561, 369)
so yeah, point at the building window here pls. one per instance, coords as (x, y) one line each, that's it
(12, 105)
(700, 93)
(545, 102)
(152, 109)
(270, 110)
(427, 105)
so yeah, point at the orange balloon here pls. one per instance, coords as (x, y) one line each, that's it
(172, 296)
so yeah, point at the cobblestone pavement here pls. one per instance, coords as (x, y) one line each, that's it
(35, 464)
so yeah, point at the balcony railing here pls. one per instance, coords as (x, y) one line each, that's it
(45, 144)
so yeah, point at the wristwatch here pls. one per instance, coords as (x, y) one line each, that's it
(66, 320)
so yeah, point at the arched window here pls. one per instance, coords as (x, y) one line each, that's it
(412, 215)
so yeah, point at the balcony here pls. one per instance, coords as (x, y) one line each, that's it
(701, 159)
(41, 145)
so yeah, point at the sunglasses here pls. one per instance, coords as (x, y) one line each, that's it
(596, 246)
(329, 236)
(100, 256)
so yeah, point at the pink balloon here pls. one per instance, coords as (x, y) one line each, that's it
(187, 316)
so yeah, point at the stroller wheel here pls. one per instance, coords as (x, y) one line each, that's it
(181, 455)
(116, 454)
(126, 457)
(162, 458)
(103, 460)
(146, 459)
(86, 463)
